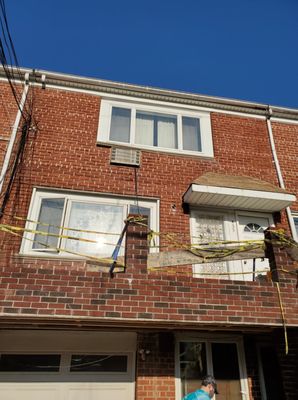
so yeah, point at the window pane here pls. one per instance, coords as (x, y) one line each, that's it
(191, 134)
(145, 129)
(51, 211)
(167, 132)
(193, 365)
(226, 370)
(156, 130)
(98, 363)
(29, 362)
(120, 124)
(94, 217)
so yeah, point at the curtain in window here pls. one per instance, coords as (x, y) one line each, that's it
(50, 213)
(95, 217)
(156, 130)
(191, 134)
(120, 125)
(145, 129)
(167, 132)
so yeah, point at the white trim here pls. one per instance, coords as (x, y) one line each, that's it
(285, 121)
(278, 169)
(13, 136)
(159, 108)
(295, 233)
(228, 197)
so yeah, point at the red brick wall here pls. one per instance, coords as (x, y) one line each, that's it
(63, 154)
(66, 288)
(156, 370)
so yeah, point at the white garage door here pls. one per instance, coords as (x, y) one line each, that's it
(41, 365)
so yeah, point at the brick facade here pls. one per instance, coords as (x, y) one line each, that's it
(63, 153)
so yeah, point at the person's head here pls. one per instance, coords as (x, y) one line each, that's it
(209, 385)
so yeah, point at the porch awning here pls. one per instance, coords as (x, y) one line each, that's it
(237, 192)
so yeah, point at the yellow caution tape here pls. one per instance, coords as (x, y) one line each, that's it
(59, 249)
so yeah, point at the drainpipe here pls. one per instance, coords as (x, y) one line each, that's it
(14, 132)
(278, 169)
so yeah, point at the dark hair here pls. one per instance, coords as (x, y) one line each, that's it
(210, 380)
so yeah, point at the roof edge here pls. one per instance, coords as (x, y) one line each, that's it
(175, 96)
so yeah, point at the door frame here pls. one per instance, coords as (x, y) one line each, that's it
(208, 339)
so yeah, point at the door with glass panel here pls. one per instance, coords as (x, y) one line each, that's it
(209, 228)
(251, 227)
(223, 359)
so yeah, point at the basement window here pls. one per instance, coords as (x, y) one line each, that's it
(166, 128)
(78, 225)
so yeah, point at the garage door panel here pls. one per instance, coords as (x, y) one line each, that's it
(30, 391)
(52, 370)
(102, 392)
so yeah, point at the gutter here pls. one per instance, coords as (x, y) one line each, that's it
(278, 169)
(45, 78)
(14, 132)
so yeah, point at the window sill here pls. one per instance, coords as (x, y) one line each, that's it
(176, 152)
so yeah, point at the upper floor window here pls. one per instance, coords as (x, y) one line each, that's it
(147, 126)
(62, 223)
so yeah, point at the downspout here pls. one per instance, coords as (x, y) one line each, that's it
(14, 132)
(278, 169)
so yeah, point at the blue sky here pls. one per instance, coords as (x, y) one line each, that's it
(243, 49)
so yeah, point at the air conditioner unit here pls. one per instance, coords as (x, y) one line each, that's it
(124, 156)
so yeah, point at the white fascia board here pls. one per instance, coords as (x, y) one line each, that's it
(252, 196)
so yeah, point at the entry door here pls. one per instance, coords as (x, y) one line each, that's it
(212, 226)
(252, 228)
(222, 358)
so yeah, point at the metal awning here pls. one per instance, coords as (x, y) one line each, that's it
(240, 193)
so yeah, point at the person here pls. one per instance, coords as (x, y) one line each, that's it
(207, 390)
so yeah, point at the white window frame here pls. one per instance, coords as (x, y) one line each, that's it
(204, 117)
(295, 217)
(39, 194)
(208, 339)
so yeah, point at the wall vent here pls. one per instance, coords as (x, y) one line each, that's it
(125, 156)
